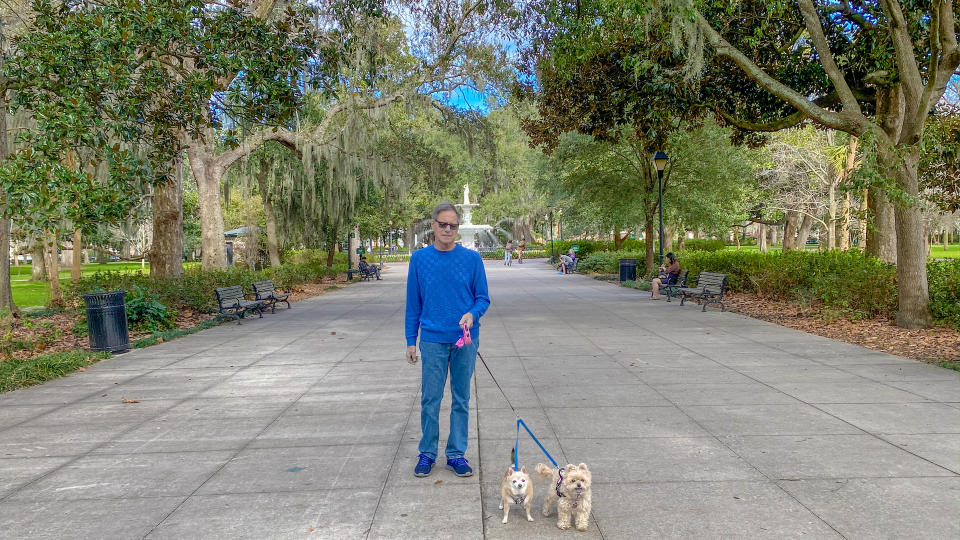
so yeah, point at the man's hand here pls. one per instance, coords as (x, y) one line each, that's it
(412, 354)
(466, 322)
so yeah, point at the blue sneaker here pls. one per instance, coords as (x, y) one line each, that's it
(424, 466)
(459, 467)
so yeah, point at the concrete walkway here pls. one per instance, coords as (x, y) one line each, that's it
(305, 425)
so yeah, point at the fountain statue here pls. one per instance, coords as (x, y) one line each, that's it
(474, 236)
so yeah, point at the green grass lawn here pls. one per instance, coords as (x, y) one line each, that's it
(30, 293)
(937, 252)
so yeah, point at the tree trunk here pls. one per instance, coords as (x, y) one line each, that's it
(806, 225)
(648, 244)
(774, 229)
(946, 235)
(912, 291)
(790, 230)
(617, 240)
(208, 174)
(844, 233)
(832, 221)
(762, 237)
(38, 270)
(882, 238)
(848, 169)
(76, 268)
(7, 306)
(53, 270)
(682, 239)
(166, 253)
(6, 289)
(273, 246)
(101, 255)
(669, 232)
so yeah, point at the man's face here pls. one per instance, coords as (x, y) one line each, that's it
(441, 227)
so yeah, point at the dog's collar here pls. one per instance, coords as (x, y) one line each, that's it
(577, 500)
(520, 499)
(559, 482)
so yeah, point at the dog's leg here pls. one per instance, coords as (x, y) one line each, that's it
(563, 518)
(582, 521)
(506, 510)
(526, 506)
(547, 501)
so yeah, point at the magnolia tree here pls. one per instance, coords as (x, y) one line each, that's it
(876, 70)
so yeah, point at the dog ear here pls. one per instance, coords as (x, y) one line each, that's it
(523, 469)
(570, 467)
(583, 467)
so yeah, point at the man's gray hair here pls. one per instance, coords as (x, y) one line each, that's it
(443, 207)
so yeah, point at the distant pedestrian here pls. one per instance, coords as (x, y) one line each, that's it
(446, 296)
(520, 249)
(508, 252)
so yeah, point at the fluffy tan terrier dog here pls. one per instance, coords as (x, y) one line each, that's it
(570, 491)
(516, 488)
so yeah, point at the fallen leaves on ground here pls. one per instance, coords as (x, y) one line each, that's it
(927, 345)
(125, 400)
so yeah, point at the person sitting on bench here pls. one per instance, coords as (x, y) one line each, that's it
(668, 275)
(568, 262)
(368, 269)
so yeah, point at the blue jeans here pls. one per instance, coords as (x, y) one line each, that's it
(438, 359)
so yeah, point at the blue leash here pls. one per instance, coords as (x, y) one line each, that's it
(520, 422)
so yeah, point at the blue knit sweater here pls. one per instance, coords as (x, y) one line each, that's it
(441, 287)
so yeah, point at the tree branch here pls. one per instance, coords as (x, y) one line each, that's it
(812, 21)
(800, 102)
(944, 59)
(903, 49)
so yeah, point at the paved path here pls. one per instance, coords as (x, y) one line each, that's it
(305, 424)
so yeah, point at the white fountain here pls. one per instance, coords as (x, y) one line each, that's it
(470, 233)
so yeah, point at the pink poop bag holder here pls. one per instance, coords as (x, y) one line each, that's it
(464, 338)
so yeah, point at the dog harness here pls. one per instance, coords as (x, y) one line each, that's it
(576, 502)
(520, 499)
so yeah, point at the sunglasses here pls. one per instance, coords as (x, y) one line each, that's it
(448, 226)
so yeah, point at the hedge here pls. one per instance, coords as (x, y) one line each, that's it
(194, 289)
(850, 281)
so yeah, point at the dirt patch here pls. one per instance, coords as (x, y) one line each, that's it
(29, 337)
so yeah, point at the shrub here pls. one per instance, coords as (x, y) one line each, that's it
(847, 281)
(943, 278)
(147, 312)
(194, 289)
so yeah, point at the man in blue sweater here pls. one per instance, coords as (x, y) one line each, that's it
(446, 294)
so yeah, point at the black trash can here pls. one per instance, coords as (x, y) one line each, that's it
(107, 321)
(628, 269)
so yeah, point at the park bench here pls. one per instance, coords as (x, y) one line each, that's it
(234, 304)
(267, 291)
(710, 288)
(364, 275)
(673, 289)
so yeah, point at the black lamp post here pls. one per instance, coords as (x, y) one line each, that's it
(660, 162)
(553, 258)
